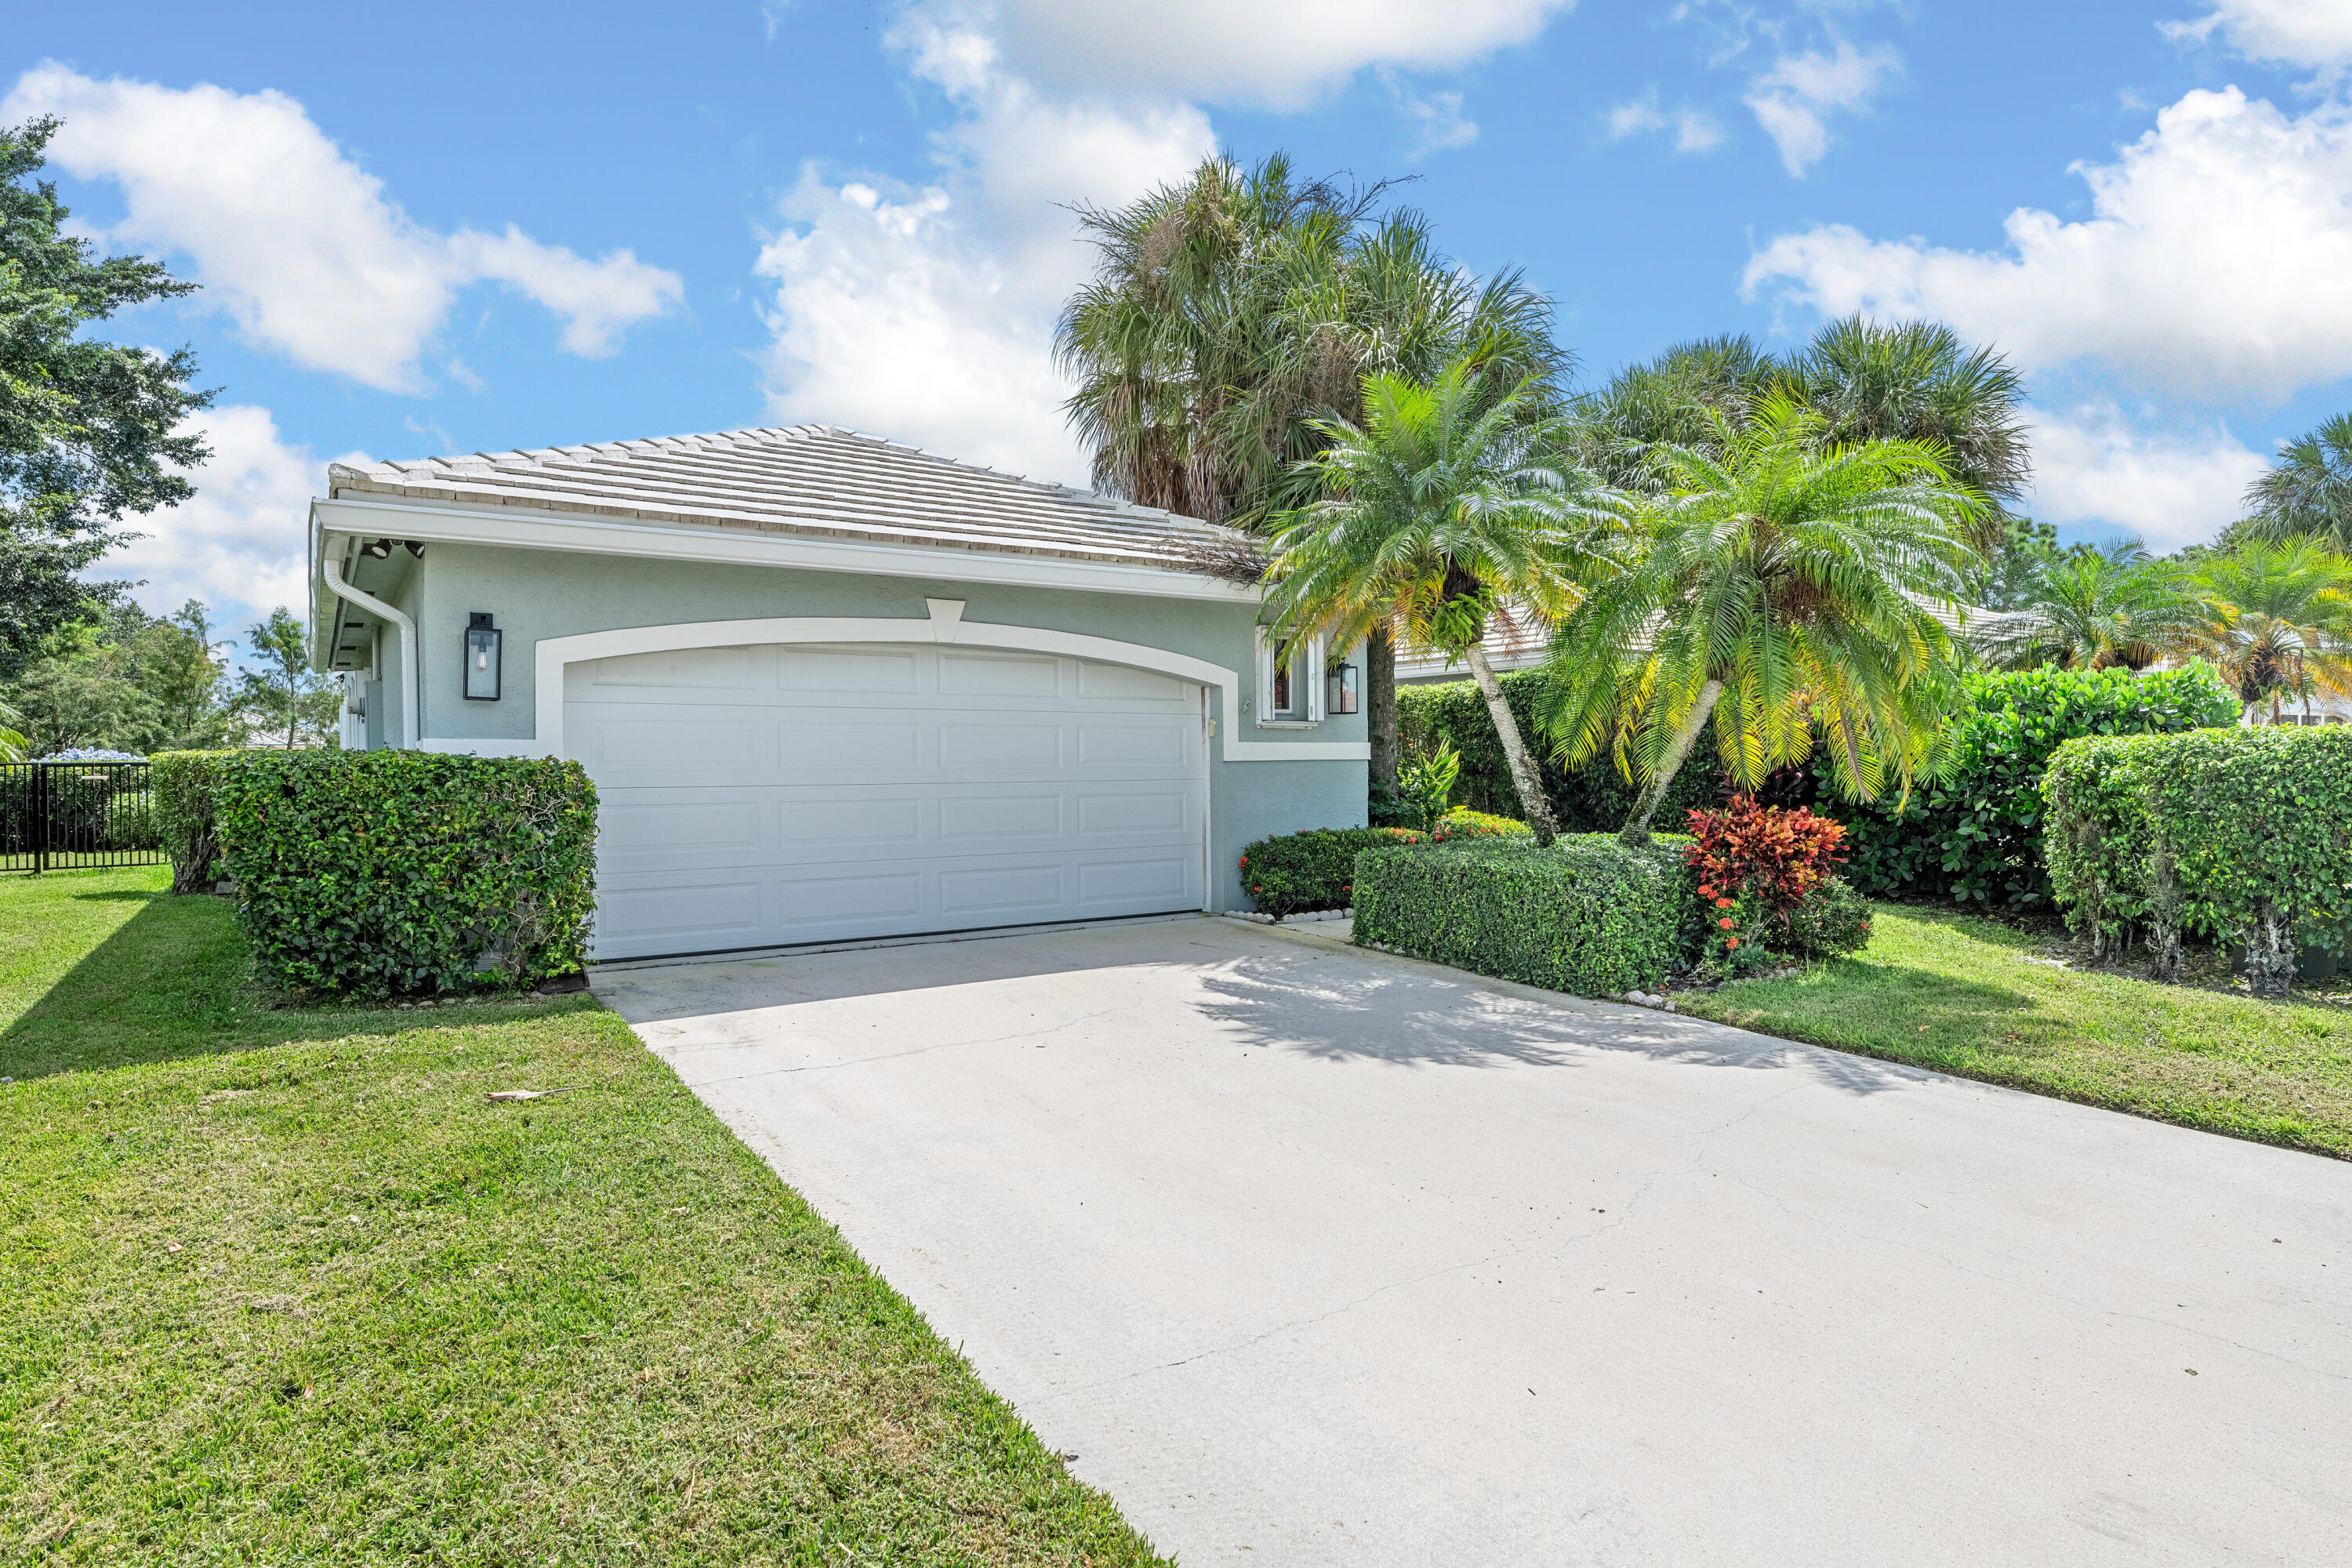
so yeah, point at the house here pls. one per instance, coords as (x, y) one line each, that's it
(830, 687)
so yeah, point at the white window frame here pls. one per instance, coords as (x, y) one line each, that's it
(1305, 667)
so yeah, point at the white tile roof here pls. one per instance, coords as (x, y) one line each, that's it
(805, 479)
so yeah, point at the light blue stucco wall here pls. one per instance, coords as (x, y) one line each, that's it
(538, 593)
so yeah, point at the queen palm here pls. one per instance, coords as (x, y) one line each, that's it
(2095, 609)
(1782, 588)
(1438, 516)
(2277, 622)
(2307, 489)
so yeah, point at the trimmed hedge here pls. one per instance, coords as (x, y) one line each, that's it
(1298, 873)
(182, 784)
(1976, 835)
(2242, 833)
(390, 871)
(1588, 915)
(1593, 798)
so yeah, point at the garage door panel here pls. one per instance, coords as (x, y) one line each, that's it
(860, 791)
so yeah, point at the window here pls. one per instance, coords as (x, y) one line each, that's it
(1289, 680)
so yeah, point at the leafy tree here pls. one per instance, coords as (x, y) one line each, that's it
(1804, 583)
(186, 682)
(118, 680)
(281, 691)
(1231, 313)
(2276, 622)
(2308, 490)
(2020, 560)
(1439, 515)
(2092, 609)
(86, 427)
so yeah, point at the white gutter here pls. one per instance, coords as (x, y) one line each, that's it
(408, 717)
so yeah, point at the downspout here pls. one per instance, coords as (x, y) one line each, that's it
(408, 715)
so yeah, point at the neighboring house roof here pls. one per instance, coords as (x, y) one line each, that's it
(809, 480)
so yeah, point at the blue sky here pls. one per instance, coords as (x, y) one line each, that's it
(439, 228)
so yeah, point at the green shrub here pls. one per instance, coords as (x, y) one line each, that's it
(1828, 922)
(181, 784)
(405, 871)
(1464, 823)
(1593, 798)
(1975, 835)
(2242, 833)
(1297, 873)
(1588, 915)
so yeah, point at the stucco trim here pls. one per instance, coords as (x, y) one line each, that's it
(944, 625)
(453, 523)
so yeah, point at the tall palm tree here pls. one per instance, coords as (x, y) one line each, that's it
(1808, 586)
(1439, 514)
(1231, 313)
(2277, 623)
(1670, 401)
(2094, 609)
(2307, 489)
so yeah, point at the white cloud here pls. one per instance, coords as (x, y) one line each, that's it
(926, 314)
(1794, 99)
(2316, 32)
(239, 544)
(1437, 118)
(2217, 262)
(296, 242)
(1280, 57)
(2095, 467)
(1695, 131)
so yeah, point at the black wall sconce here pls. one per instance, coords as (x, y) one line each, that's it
(482, 641)
(1343, 689)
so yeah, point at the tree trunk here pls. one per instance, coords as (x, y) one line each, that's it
(2270, 953)
(1524, 776)
(1380, 706)
(1637, 826)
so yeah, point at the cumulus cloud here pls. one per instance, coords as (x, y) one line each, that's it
(296, 242)
(2095, 466)
(1794, 99)
(2216, 263)
(1695, 129)
(2314, 33)
(239, 544)
(1281, 57)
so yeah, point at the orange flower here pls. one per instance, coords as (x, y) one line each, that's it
(1731, 942)
(1723, 903)
(1724, 922)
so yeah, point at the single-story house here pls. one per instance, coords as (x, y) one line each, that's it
(830, 687)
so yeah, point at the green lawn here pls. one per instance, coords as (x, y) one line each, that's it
(1958, 993)
(281, 1287)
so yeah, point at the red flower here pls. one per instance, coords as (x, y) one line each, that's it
(1244, 860)
(1705, 892)
(1724, 922)
(1731, 942)
(1724, 904)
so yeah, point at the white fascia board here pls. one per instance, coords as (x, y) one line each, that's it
(442, 522)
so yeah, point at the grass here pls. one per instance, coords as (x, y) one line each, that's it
(281, 1287)
(1973, 996)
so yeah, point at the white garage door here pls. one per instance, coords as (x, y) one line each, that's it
(761, 796)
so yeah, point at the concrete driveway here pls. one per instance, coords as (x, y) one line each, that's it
(1315, 1255)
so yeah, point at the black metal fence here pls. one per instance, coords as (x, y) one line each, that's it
(57, 815)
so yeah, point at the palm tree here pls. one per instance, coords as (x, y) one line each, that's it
(2308, 491)
(2094, 609)
(1809, 585)
(2277, 622)
(1673, 400)
(1439, 514)
(12, 744)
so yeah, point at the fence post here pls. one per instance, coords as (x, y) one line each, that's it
(40, 817)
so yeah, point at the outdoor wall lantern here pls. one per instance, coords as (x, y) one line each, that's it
(1343, 689)
(481, 658)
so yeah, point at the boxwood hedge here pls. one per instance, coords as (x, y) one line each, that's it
(395, 873)
(1588, 915)
(182, 784)
(1298, 873)
(2244, 835)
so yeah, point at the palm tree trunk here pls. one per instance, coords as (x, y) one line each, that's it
(1637, 826)
(1380, 705)
(1524, 776)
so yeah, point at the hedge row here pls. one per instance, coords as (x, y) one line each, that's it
(1588, 915)
(1593, 798)
(2244, 835)
(391, 872)
(1977, 834)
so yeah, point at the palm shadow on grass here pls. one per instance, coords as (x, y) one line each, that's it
(173, 982)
